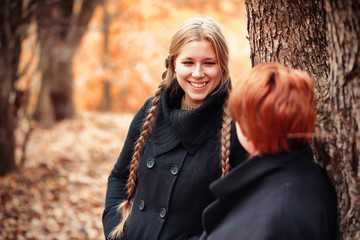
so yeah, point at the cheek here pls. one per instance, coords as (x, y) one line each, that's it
(241, 138)
(214, 73)
(183, 72)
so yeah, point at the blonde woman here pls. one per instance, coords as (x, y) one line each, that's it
(180, 141)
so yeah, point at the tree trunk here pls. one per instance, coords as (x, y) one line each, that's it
(7, 157)
(10, 48)
(55, 99)
(106, 101)
(60, 31)
(339, 138)
(294, 34)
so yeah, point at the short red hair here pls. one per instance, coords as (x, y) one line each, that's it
(274, 107)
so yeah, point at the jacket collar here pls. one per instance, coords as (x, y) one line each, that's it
(192, 128)
(257, 167)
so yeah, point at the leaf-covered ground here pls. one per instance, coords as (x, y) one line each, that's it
(60, 191)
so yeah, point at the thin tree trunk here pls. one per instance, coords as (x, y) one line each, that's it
(106, 101)
(10, 48)
(60, 31)
(7, 141)
(55, 100)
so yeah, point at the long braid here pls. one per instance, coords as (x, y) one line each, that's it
(225, 137)
(126, 206)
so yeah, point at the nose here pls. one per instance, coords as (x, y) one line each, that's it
(198, 72)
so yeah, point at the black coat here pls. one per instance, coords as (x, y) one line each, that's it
(180, 160)
(285, 196)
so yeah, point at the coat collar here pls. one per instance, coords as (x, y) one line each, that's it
(191, 128)
(253, 169)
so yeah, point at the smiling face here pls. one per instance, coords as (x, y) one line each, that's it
(198, 71)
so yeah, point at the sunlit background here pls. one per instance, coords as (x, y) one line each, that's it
(59, 191)
(121, 58)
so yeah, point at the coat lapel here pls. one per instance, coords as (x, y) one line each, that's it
(242, 176)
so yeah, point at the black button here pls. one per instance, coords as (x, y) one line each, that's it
(141, 205)
(162, 213)
(174, 169)
(150, 163)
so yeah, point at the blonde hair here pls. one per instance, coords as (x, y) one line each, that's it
(194, 29)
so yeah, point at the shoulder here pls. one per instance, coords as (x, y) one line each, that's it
(300, 175)
(299, 206)
(140, 116)
(145, 108)
(306, 210)
(147, 104)
(309, 180)
(307, 202)
(301, 178)
(291, 188)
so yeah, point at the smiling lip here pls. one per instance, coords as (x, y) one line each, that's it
(198, 85)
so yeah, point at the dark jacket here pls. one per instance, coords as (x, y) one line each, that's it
(180, 160)
(285, 196)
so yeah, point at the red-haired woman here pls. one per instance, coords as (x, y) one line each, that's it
(279, 192)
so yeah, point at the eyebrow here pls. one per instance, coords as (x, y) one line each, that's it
(190, 58)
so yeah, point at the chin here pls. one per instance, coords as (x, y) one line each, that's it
(198, 99)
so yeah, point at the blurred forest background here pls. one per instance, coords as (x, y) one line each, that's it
(121, 56)
(103, 58)
(74, 72)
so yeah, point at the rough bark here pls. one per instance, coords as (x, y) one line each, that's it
(10, 47)
(338, 138)
(322, 38)
(292, 33)
(60, 30)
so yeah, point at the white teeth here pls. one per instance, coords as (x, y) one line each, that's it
(198, 85)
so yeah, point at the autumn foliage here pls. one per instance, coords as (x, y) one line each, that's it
(59, 192)
(121, 58)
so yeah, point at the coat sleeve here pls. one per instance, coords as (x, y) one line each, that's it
(116, 187)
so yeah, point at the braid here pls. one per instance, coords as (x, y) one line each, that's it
(125, 207)
(225, 137)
